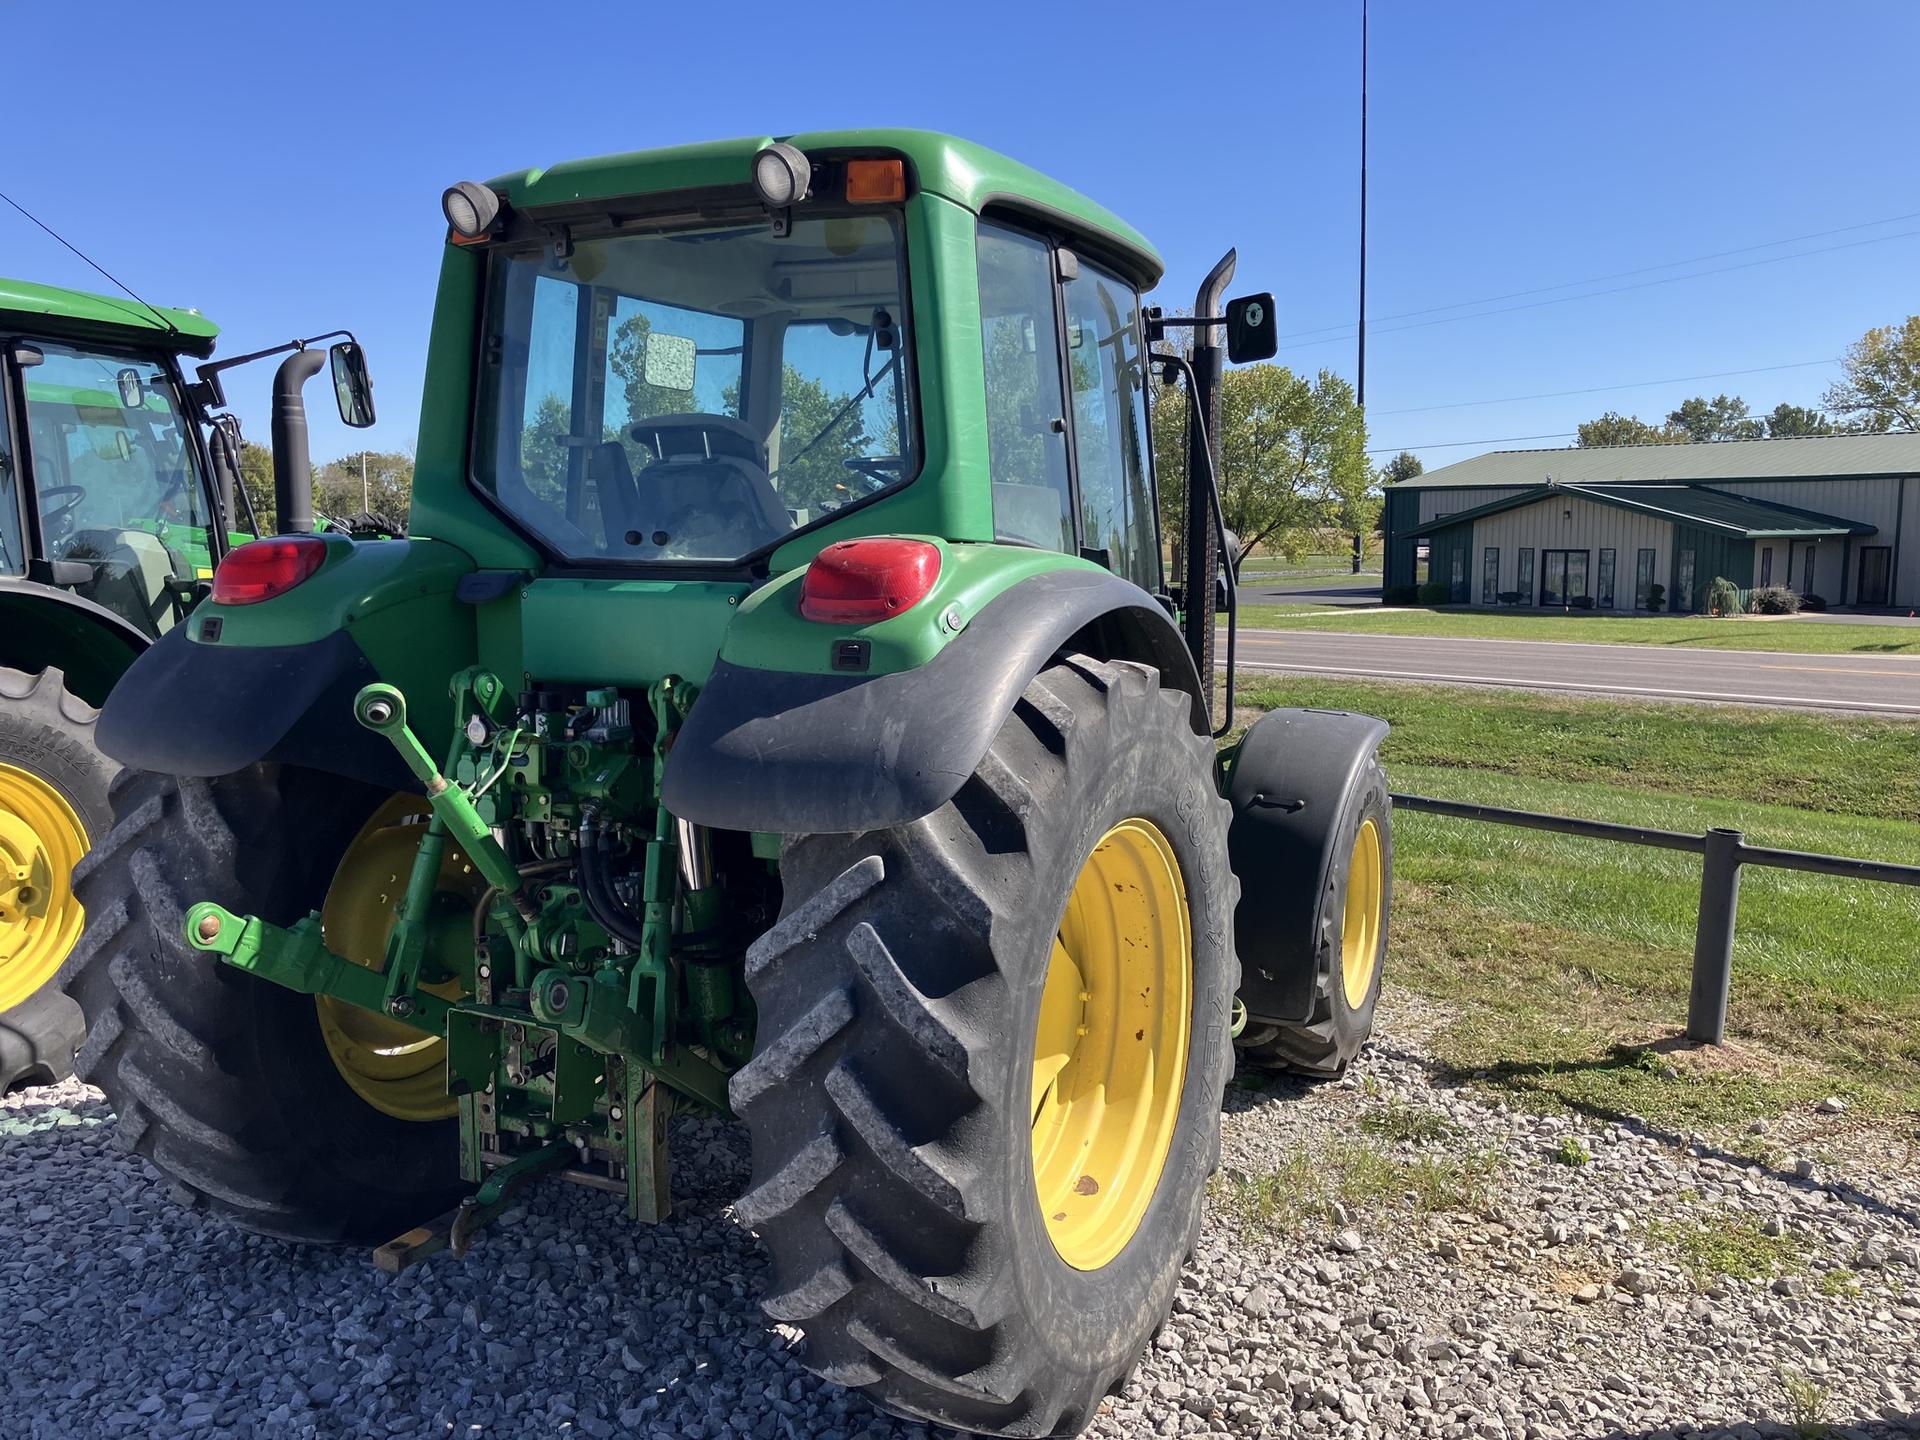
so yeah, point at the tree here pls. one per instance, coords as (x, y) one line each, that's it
(1403, 466)
(388, 489)
(1724, 417)
(818, 478)
(1293, 458)
(1788, 420)
(1613, 428)
(1881, 388)
(256, 478)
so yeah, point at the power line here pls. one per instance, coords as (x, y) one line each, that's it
(1457, 444)
(170, 327)
(1615, 290)
(1599, 389)
(1624, 274)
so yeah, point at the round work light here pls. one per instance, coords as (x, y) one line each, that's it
(780, 175)
(470, 209)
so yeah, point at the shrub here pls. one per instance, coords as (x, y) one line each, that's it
(1773, 600)
(1436, 592)
(1581, 602)
(1656, 597)
(1812, 602)
(1399, 594)
(1723, 597)
(1510, 597)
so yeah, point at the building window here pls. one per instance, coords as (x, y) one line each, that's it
(1643, 579)
(1422, 562)
(1682, 598)
(1876, 575)
(1563, 576)
(1523, 582)
(1490, 576)
(1457, 581)
(1766, 566)
(1605, 600)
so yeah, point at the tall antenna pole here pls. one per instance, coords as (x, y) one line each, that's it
(1360, 388)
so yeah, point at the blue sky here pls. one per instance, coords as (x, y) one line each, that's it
(1515, 146)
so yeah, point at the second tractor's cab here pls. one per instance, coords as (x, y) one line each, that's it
(781, 708)
(119, 497)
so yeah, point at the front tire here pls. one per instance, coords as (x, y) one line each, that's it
(896, 1113)
(1350, 929)
(53, 805)
(220, 1079)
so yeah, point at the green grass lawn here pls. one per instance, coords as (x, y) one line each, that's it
(1689, 631)
(1567, 959)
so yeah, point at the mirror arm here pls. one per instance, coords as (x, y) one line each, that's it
(212, 368)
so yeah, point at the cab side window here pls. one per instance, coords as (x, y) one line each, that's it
(13, 552)
(1026, 412)
(1118, 524)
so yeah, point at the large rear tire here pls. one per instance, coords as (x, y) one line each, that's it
(222, 1080)
(905, 1113)
(1351, 931)
(53, 805)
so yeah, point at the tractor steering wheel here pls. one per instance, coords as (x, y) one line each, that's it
(72, 494)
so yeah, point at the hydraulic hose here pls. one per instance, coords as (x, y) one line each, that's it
(596, 887)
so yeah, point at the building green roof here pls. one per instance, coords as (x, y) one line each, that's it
(53, 309)
(1811, 457)
(965, 173)
(1683, 504)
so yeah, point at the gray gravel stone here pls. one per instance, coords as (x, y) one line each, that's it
(152, 1320)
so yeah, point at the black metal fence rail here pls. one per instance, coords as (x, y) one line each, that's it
(1724, 852)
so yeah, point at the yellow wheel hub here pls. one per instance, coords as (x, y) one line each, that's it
(1360, 929)
(392, 1066)
(1110, 1049)
(41, 840)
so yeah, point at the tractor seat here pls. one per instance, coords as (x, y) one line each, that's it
(132, 575)
(711, 468)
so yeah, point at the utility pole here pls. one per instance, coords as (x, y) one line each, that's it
(1360, 387)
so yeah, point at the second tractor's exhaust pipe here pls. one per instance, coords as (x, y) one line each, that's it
(292, 465)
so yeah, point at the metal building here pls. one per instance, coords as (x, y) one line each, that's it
(1837, 516)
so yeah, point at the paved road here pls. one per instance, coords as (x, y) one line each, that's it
(1879, 683)
(1309, 592)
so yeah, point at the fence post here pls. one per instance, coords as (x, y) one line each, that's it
(1713, 938)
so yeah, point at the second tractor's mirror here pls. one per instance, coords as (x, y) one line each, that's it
(1252, 330)
(669, 361)
(352, 386)
(129, 383)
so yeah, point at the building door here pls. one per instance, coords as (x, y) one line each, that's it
(1801, 570)
(1766, 566)
(1643, 580)
(1563, 576)
(1876, 575)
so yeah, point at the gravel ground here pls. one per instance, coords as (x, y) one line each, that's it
(1581, 1300)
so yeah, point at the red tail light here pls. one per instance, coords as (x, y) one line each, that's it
(857, 582)
(262, 569)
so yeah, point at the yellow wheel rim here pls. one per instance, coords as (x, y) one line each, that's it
(1360, 928)
(1110, 1047)
(41, 840)
(393, 1067)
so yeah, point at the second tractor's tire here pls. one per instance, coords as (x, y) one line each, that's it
(891, 1098)
(220, 1079)
(50, 766)
(1342, 1022)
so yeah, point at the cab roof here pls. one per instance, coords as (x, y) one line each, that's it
(958, 170)
(55, 310)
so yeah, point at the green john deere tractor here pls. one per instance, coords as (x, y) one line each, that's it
(109, 490)
(780, 709)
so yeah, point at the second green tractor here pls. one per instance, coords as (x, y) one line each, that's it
(780, 709)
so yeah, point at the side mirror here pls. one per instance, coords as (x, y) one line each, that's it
(352, 386)
(1253, 332)
(129, 382)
